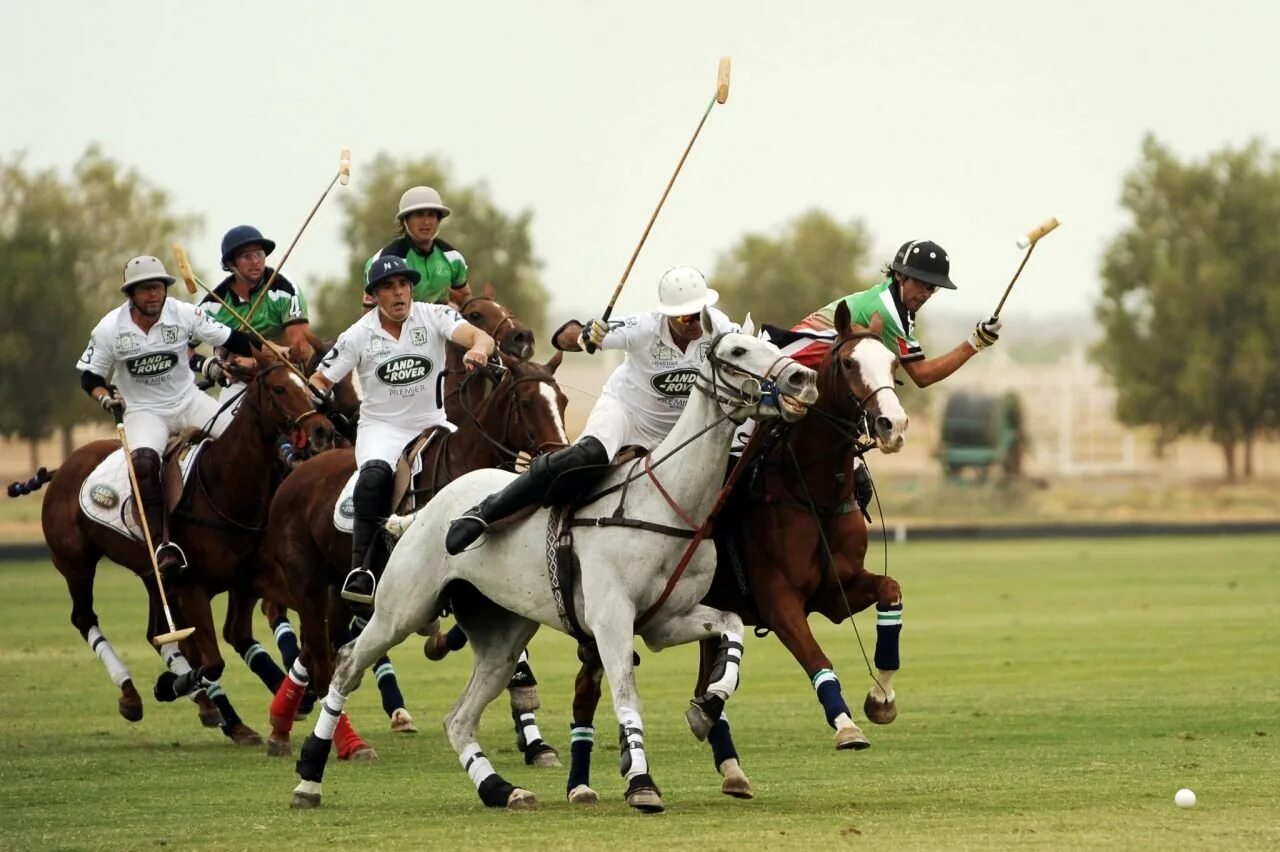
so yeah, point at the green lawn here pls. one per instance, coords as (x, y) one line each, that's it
(1053, 694)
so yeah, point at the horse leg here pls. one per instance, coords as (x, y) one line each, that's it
(612, 628)
(582, 732)
(384, 674)
(439, 645)
(496, 639)
(200, 616)
(523, 690)
(79, 574)
(787, 618)
(351, 746)
(723, 752)
(698, 623)
(286, 703)
(881, 704)
(237, 631)
(383, 631)
(179, 678)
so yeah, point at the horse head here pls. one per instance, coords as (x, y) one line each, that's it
(761, 381)
(532, 406)
(511, 334)
(865, 367)
(286, 405)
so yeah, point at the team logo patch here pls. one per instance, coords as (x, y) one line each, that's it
(146, 366)
(405, 370)
(663, 352)
(347, 508)
(675, 383)
(703, 350)
(170, 334)
(126, 343)
(418, 336)
(104, 496)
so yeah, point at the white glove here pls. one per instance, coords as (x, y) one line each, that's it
(985, 333)
(111, 402)
(214, 370)
(593, 333)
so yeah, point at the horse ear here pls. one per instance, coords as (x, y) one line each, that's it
(748, 327)
(487, 291)
(843, 319)
(554, 363)
(877, 324)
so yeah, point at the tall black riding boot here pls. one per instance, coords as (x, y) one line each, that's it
(148, 468)
(371, 502)
(525, 490)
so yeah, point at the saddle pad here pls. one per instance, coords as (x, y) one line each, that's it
(344, 512)
(106, 497)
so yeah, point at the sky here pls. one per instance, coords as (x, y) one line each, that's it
(964, 123)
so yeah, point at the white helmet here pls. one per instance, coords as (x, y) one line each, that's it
(682, 290)
(421, 198)
(145, 268)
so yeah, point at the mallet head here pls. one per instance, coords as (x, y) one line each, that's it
(344, 166)
(1035, 234)
(722, 80)
(184, 268)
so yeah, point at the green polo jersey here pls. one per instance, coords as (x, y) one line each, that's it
(442, 269)
(282, 305)
(882, 299)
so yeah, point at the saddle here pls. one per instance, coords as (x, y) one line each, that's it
(106, 496)
(404, 495)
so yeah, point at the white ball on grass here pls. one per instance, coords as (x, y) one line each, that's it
(1184, 798)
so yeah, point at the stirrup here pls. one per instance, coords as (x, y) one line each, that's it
(172, 548)
(356, 597)
(476, 542)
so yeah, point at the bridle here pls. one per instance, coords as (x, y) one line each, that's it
(856, 428)
(761, 389)
(508, 317)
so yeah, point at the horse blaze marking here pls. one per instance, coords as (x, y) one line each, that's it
(674, 383)
(404, 370)
(151, 365)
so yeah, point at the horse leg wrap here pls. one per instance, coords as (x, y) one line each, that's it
(582, 739)
(388, 686)
(288, 699)
(116, 669)
(330, 710)
(888, 629)
(724, 674)
(827, 685)
(171, 687)
(313, 757)
(346, 738)
(230, 718)
(632, 760)
(643, 781)
(721, 741)
(286, 641)
(495, 791)
(455, 639)
(261, 664)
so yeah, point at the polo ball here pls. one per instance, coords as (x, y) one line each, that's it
(1184, 798)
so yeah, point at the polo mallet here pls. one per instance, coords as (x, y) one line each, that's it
(189, 278)
(1027, 241)
(343, 175)
(174, 635)
(721, 95)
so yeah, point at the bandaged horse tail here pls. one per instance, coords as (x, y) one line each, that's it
(35, 483)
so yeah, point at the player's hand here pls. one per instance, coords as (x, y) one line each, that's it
(593, 334)
(475, 358)
(112, 402)
(985, 333)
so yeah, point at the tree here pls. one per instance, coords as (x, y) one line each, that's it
(497, 245)
(1190, 298)
(63, 245)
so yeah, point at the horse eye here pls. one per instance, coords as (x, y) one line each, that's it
(738, 351)
(847, 363)
(475, 316)
(277, 390)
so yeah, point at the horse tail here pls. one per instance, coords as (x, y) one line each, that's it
(35, 483)
(398, 525)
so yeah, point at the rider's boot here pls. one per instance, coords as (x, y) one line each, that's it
(525, 490)
(147, 466)
(863, 490)
(371, 501)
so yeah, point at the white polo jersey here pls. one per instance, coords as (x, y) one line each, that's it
(402, 380)
(655, 379)
(150, 367)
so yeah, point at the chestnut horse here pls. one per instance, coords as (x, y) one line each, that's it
(305, 557)
(794, 527)
(218, 523)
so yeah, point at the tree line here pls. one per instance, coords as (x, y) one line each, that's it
(1189, 294)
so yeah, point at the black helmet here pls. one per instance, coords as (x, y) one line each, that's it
(389, 266)
(924, 260)
(239, 237)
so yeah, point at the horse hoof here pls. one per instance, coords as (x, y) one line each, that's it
(880, 712)
(130, 702)
(435, 648)
(583, 795)
(243, 735)
(522, 800)
(363, 754)
(278, 748)
(402, 722)
(735, 781)
(304, 800)
(646, 800)
(851, 738)
(548, 759)
(210, 715)
(699, 722)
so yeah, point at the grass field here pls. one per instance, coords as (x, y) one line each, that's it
(1053, 694)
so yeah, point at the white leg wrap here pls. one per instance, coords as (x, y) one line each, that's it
(173, 659)
(631, 744)
(107, 655)
(475, 763)
(298, 673)
(728, 681)
(330, 710)
(529, 728)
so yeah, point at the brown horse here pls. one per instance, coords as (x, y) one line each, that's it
(218, 523)
(800, 544)
(305, 557)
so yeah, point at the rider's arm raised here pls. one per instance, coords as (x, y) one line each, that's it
(925, 373)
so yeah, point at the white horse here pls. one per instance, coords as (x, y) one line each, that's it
(624, 573)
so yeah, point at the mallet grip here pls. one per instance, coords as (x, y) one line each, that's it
(1035, 234)
(184, 268)
(722, 80)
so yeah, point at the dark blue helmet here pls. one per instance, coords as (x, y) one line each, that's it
(239, 237)
(389, 266)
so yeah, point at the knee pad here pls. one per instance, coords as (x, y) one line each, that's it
(146, 464)
(372, 495)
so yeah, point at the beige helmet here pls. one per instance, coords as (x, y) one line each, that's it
(682, 290)
(421, 198)
(145, 268)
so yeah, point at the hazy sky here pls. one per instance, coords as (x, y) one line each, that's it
(966, 123)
